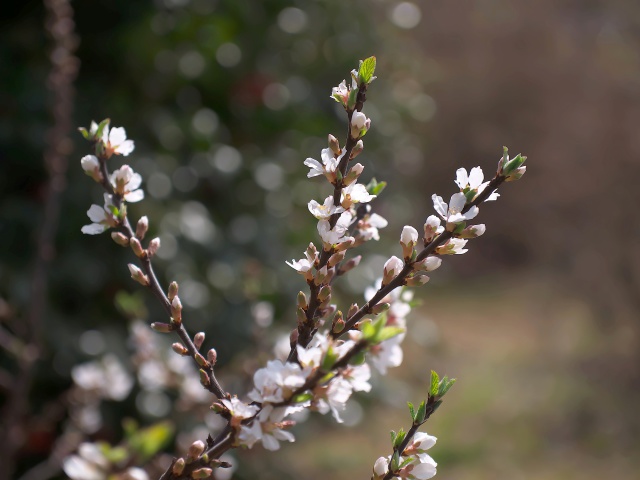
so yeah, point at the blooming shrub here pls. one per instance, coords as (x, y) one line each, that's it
(330, 352)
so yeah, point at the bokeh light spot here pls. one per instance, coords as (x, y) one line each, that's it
(406, 15)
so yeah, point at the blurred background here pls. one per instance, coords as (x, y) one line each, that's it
(539, 321)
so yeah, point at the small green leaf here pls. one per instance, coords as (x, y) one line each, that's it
(412, 411)
(375, 188)
(358, 359)
(388, 332)
(395, 461)
(84, 132)
(351, 101)
(149, 441)
(329, 359)
(366, 70)
(368, 330)
(302, 397)
(393, 437)
(513, 164)
(445, 385)
(399, 438)
(435, 384)
(406, 462)
(101, 127)
(421, 413)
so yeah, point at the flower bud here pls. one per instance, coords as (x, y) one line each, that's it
(302, 301)
(173, 291)
(408, 240)
(153, 247)
(359, 124)
(198, 339)
(428, 264)
(120, 238)
(141, 227)
(417, 280)
(516, 174)
(379, 308)
(195, 450)
(200, 360)
(353, 174)
(178, 466)
(161, 327)
(431, 227)
(180, 349)
(176, 310)
(212, 356)
(352, 310)
(334, 145)
(321, 275)
(357, 149)
(381, 467)
(346, 244)
(350, 264)
(392, 268)
(202, 473)
(473, 231)
(138, 275)
(336, 258)
(91, 166)
(338, 323)
(136, 247)
(325, 292)
(293, 337)
(301, 316)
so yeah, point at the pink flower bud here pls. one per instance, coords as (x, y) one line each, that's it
(334, 145)
(179, 349)
(417, 280)
(178, 466)
(198, 339)
(202, 473)
(428, 264)
(195, 449)
(176, 309)
(136, 247)
(392, 268)
(141, 227)
(357, 149)
(138, 275)
(120, 239)
(173, 290)
(153, 247)
(212, 356)
(161, 327)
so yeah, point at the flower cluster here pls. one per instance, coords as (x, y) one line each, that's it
(415, 463)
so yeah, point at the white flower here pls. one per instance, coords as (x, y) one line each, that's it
(125, 182)
(420, 471)
(423, 441)
(302, 266)
(368, 227)
(115, 141)
(276, 382)
(355, 193)
(135, 473)
(473, 181)
(107, 377)
(333, 397)
(387, 354)
(311, 357)
(91, 165)
(432, 228)
(453, 212)
(454, 246)
(102, 217)
(323, 212)
(239, 409)
(266, 427)
(89, 464)
(340, 93)
(358, 376)
(328, 166)
(338, 233)
(429, 264)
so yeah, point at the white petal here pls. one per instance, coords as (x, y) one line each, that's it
(94, 229)
(96, 214)
(472, 213)
(462, 179)
(89, 163)
(475, 177)
(134, 196)
(117, 136)
(134, 182)
(125, 148)
(457, 203)
(270, 443)
(440, 205)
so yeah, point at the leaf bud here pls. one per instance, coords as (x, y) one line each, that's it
(141, 227)
(302, 301)
(301, 316)
(212, 356)
(136, 247)
(153, 247)
(352, 310)
(200, 360)
(204, 378)
(338, 323)
(178, 466)
(198, 339)
(334, 145)
(138, 275)
(120, 238)
(180, 349)
(325, 292)
(173, 291)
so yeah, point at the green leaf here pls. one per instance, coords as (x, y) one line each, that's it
(406, 462)
(399, 438)
(445, 385)
(358, 359)
(395, 461)
(375, 188)
(302, 397)
(101, 127)
(149, 441)
(513, 164)
(393, 437)
(435, 384)
(421, 413)
(329, 359)
(84, 132)
(368, 330)
(366, 70)
(412, 411)
(389, 332)
(351, 101)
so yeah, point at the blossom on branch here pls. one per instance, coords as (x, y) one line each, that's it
(324, 211)
(125, 183)
(103, 218)
(115, 141)
(338, 233)
(452, 213)
(472, 182)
